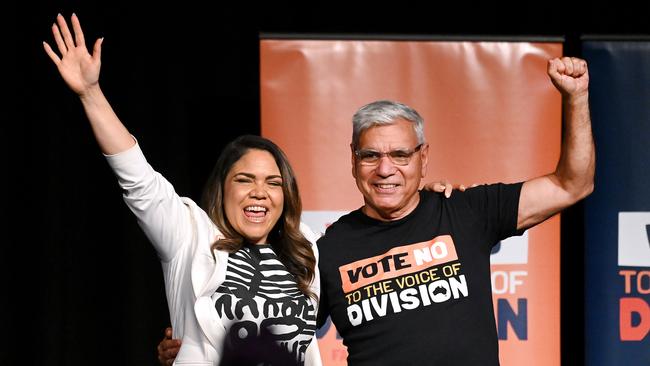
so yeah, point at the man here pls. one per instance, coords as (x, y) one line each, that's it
(406, 278)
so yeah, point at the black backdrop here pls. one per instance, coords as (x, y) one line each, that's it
(81, 284)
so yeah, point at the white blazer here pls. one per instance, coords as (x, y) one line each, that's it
(182, 233)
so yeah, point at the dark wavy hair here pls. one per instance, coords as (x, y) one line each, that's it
(291, 247)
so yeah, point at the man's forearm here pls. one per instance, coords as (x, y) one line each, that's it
(575, 170)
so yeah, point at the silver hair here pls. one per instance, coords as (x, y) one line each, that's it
(382, 113)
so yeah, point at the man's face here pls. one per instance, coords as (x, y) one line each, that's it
(390, 191)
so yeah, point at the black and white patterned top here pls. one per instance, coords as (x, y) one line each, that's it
(260, 298)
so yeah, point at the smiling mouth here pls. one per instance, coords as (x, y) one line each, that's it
(255, 213)
(385, 186)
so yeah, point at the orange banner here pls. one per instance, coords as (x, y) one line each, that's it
(491, 115)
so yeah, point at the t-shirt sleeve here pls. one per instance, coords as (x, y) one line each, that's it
(497, 206)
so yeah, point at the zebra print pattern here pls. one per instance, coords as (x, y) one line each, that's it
(260, 298)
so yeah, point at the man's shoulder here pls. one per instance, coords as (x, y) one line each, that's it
(493, 190)
(341, 227)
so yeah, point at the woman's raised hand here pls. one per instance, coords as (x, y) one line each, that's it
(79, 69)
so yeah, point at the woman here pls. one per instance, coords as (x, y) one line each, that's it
(243, 272)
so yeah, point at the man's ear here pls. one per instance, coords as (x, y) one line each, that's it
(424, 155)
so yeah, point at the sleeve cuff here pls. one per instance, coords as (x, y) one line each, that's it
(129, 165)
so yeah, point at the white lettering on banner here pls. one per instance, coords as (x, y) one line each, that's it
(634, 239)
(507, 281)
(513, 250)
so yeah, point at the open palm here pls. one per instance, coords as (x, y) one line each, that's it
(79, 69)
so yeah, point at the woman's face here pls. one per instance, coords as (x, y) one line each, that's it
(253, 198)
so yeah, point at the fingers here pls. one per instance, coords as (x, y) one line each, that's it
(78, 33)
(168, 350)
(64, 41)
(448, 189)
(570, 66)
(97, 55)
(51, 53)
(65, 32)
(434, 186)
(579, 66)
(59, 41)
(441, 187)
(164, 360)
(168, 332)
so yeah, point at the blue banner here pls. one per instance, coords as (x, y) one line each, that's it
(617, 217)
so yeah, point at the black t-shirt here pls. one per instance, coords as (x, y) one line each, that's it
(416, 291)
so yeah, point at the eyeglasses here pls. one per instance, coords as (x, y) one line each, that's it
(397, 157)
